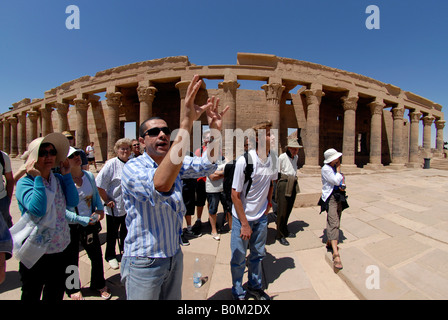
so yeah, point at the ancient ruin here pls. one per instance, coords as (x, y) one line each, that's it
(373, 123)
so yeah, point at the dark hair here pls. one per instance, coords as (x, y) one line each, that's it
(46, 144)
(142, 128)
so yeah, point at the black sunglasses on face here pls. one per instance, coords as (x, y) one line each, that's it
(154, 132)
(45, 153)
(74, 154)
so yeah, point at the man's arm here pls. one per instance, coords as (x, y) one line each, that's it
(9, 183)
(246, 230)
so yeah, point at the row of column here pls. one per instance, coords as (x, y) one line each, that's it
(314, 97)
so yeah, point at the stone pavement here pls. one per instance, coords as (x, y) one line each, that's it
(393, 245)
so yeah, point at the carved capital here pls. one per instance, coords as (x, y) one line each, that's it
(146, 93)
(182, 87)
(350, 102)
(376, 107)
(398, 113)
(113, 99)
(273, 91)
(12, 120)
(440, 124)
(229, 86)
(313, 96)
(414, 117)
(33, 115)
(81, 104)
(427, 121)
(61, 108)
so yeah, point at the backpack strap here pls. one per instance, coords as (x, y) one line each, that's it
(248, 171)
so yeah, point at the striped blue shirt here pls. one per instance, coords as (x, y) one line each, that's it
(154, 219)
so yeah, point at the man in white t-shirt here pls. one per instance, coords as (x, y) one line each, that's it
(6, 190)
(90, 150)
(249, 227)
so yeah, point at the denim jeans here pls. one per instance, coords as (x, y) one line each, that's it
(153, 278)
(256, 245)
(5, 239)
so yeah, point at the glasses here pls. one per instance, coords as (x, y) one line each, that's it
(46, 153)
(74, 154)
(154, 132)
(136, 145)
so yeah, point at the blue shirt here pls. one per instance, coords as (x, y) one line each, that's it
(154, 219)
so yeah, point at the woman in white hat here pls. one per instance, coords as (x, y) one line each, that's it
(42, 197)
(333, 200)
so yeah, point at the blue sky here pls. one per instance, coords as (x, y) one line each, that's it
(38, 52)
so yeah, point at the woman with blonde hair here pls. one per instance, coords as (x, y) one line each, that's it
(109, 187)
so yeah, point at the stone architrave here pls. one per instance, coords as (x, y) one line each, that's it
(313, 99)
(62, 110)
(350, 104)
(273, 95)
(229, 88)
(32, 116)
(440, 124)
(81, 106)
(427, 123)
(14, 149)
(113, 100)
(376, 111)
(21, 132)
(146, 95)
(414, 118)
(397, 138)
(45, 112)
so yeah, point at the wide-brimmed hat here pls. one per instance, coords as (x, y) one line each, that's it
(67, 134)
(331, 155)
(58, 140)
(293, 144)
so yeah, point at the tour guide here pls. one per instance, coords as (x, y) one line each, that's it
(152, 263)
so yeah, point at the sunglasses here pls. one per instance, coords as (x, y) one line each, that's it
(74, 154)
(45, 153)
(154, 132)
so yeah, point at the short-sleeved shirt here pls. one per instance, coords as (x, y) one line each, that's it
(109, 179)
(256, 200)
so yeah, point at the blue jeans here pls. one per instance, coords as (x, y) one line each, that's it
(256, 245)
(153, 278)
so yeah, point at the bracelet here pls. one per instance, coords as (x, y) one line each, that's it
(269, 204)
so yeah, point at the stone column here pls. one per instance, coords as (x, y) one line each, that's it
(113, 100)
(21, 133)
(182, 87)
(6, 136)
(14, 149)
(81, 106)
(350, 104)
(397, 138)
(45, 112)
(229, 88)
(62, 110)
(33, 116)
(376, 110)
(313, 99)
(414, 118)
(440, 124)
(273, 94)
(146, 95)
(427, 122)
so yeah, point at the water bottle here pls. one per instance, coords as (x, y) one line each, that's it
(197, 281)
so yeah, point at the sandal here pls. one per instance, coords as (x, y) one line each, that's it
(77, 296)
(337, 264)
(105, 294)
(216, 236)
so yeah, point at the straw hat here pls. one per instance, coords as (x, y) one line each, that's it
(331, 155)
(58, 140)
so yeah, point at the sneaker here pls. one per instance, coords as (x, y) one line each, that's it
(113, 264)
(188, 233)
(185, 241)
(196, 229)
(258, 294)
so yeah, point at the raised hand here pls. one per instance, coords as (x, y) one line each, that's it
(214, 117)
(192, 110)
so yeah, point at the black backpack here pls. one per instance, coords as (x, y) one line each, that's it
(229, 170)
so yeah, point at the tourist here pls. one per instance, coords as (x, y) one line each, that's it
(152, 264)
(135, 149)
(7, 189)
(5, 247)
(42, 197)
(333, 200)
(109, 187)
(250, 209)
(71, 141)
(215, 194)
(90, 150)
(91, 209)
(286, 191)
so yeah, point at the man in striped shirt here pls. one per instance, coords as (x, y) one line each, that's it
(152, 262)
